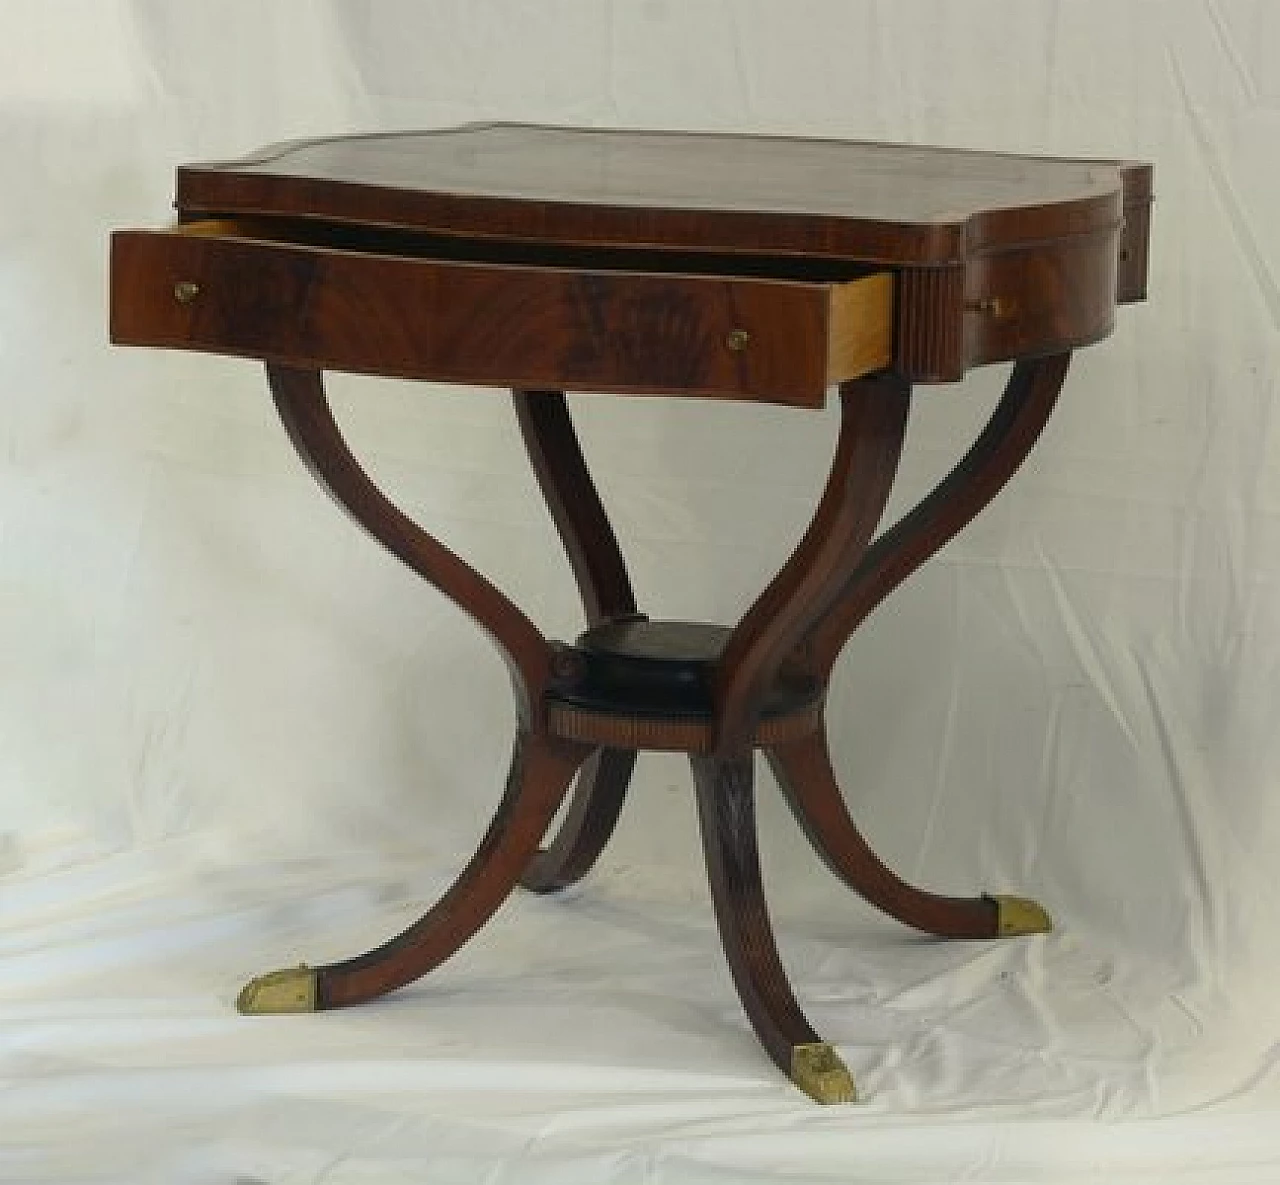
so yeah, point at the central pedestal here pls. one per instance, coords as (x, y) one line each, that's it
(664, 669)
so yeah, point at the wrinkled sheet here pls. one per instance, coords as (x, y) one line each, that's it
(234, 736)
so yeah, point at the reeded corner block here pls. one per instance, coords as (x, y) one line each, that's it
(818, 1071)
(1020, 915)
(293, 990)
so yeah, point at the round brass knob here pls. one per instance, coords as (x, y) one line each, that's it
(185, 291)
(737, 339)
(993, 306)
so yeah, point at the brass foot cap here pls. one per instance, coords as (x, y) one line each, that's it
(1020, 915)
(293, 990)
(818, 1071)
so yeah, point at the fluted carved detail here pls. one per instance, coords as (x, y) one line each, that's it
(671, 735)
(930, 330)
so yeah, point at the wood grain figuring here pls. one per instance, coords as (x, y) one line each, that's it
(1046, 299)
(933, 305)
(804, 775)
(1043, 298)
(859, 328)
(314, 308)
(895, 204)
(541, 768)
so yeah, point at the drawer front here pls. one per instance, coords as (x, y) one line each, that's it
(502, 325)
(1040, 299)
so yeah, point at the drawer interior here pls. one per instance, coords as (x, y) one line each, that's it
(422, 245)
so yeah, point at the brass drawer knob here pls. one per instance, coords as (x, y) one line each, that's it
(993, 306)
(185, 291)
(737, 340)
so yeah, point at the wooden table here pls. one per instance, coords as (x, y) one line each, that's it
(765, 270)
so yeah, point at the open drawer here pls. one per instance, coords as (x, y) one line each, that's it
(502, 314)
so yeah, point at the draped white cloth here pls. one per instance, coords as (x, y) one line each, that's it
(234, 735)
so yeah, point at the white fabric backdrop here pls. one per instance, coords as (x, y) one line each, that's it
(233, 735)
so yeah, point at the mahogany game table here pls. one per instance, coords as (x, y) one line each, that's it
(758, 269)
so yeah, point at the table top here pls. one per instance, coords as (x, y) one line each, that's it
(881, 203)
(763, 268)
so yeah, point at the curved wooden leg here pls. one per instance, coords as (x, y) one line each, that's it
(997, 454)
(605, 588)
(593, 813)
(305, 413)
(575, 506)
(541, 769)
(808, 784)
(804, 769)
(872, 425)
(726, 812)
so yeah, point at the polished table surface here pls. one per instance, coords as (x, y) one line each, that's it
(753, 268)
(893, 203)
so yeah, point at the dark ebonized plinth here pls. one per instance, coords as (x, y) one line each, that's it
(661, 669)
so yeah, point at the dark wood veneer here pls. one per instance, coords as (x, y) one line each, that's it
(311, 307)
(969, 236)
(891, 203)
(1003, 221)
